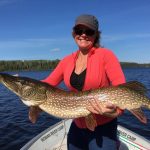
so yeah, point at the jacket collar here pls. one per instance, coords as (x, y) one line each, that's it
(76, 53)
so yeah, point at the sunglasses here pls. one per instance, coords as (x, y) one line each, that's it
(80, 31)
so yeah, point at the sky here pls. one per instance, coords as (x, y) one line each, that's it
(42, 29)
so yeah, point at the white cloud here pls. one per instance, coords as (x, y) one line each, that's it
(55, 50)
(26, 43)
(118, 37)
(7, 2)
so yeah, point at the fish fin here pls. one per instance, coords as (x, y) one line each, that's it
(139, 114)
(136, 86)
(34, 113)
(90, 122)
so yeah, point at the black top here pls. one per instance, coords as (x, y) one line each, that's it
(77, 80)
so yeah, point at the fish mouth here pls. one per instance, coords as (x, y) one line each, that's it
(29, 103)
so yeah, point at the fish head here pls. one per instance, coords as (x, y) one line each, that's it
(10, 82)
(31, 92)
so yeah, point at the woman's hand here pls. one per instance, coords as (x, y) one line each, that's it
(108, 109)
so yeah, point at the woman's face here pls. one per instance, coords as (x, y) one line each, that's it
(84, 37)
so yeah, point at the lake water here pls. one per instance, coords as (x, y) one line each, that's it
(16, 129)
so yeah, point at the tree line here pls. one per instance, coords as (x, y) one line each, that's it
(31, 65)
(134, 65)
(27, 65)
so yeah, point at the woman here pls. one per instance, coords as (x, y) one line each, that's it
(90, 67)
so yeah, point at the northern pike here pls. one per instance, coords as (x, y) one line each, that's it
(68, 104)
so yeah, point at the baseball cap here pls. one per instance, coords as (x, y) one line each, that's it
(88, 20)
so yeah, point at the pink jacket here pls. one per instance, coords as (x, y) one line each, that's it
(103, 69)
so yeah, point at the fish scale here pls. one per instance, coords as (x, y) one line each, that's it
(64, 104)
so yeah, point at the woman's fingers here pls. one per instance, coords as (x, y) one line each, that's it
(110, 108)
(94, 107)
(99, 108)
(91, 109)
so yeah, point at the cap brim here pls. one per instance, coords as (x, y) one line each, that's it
(84, 25)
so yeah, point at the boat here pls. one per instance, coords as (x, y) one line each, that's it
(54, 138)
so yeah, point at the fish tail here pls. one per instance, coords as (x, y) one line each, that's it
(138, 113)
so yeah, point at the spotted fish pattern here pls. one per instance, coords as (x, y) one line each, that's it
(67, 104)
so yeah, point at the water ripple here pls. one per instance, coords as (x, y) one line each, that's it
(16, 129)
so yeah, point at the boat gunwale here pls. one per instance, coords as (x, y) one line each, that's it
(119, 128)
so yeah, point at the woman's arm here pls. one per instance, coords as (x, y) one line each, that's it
(108, 110)
(113, 69)
(115, 75)
(56, 76)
